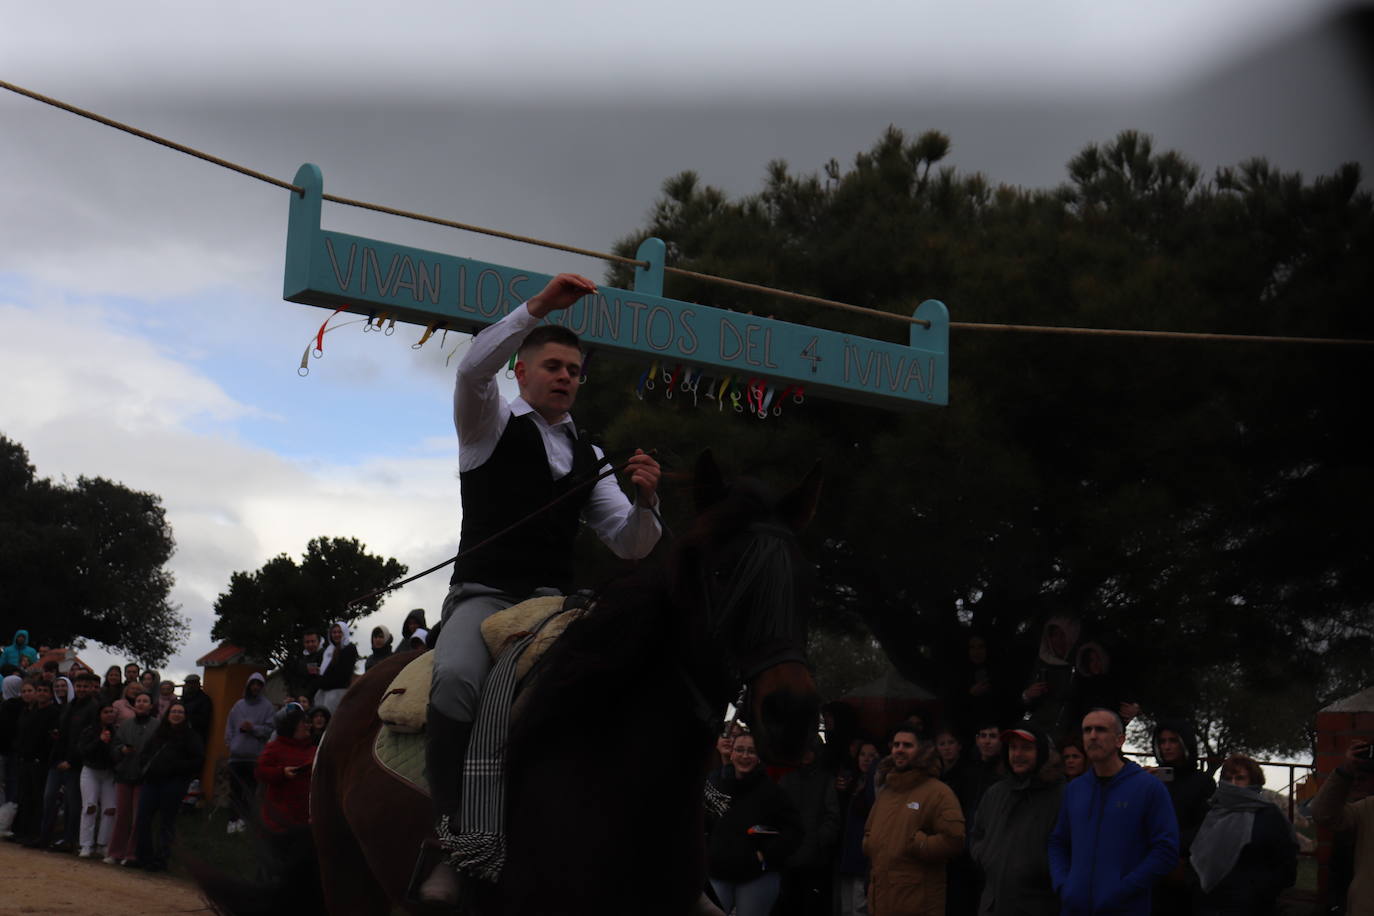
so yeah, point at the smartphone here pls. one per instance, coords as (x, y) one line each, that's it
(304, 769)
(1164, 774)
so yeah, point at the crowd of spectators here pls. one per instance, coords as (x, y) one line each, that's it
(102, 766)
(1022, 801)
(1003, 808)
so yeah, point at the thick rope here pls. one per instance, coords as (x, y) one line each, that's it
(679, 271)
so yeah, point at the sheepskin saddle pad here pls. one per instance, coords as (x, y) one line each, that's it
(403, 706)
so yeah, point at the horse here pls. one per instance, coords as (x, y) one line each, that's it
(607, 757)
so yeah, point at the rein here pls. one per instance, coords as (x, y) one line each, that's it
(590, 481)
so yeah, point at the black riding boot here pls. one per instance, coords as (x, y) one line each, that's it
(446, 746)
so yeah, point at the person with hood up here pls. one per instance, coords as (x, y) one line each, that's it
(750, 842)
(1116, 835)
(246, 732)
(1096, 685)
(381, 647)
(1010, 835)
(415, 620)
(170, 760)
(1190, 789)
(1246, 852)
(914, 828)
(1047, 698)
(336, 667)
(18, 650)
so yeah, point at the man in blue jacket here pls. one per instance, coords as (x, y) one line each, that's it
(1116, 834)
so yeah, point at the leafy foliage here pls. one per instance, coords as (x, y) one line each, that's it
(1201, 506)
(85, 561)
(266, 611)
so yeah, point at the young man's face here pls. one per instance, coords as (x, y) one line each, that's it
(378, 640)
(84, 689)
(311, 642)
(1101, 740)
(549, 379)
(131, 672)
(26, 693)
(989, 742)
(143, 704)
(42, 695)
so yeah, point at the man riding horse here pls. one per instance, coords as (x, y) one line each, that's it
(513, 459)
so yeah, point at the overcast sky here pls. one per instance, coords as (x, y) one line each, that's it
(145, 338)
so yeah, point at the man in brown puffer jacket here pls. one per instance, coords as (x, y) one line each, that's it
(915, 827)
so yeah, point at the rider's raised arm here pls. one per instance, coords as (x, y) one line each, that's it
(479, 411)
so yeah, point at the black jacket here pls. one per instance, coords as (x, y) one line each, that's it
(172, 753)
(95, 753)
(811, 789)
(34, 736)
(754, 801)
(200, 711)
(340, 671)
(1191, 788)
(74, 719)
(1268, 864)
(1010, 839)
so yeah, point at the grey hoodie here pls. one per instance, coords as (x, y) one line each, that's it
(257, 712)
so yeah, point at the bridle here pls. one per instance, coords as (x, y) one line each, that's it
(720, 615)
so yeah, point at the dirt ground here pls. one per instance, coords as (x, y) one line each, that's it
(46, 882)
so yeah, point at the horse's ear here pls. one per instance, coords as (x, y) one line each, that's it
(708, 486)
(798, 508)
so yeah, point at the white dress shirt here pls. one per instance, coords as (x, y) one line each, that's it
(480, 415)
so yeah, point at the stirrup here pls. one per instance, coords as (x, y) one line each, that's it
(431, 856)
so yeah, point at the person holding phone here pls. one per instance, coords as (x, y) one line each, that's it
(1333, 809)
(284, 770)
(1190, 790)
(169, 761)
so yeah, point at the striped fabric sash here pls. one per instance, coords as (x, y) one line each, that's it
(479, 847)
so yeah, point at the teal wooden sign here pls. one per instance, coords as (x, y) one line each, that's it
(333, 270)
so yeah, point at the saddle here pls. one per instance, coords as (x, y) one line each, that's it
(403, 707)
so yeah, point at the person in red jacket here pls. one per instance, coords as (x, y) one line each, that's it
(284, 769)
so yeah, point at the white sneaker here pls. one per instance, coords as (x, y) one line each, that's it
(109, 860)
(234, 827)
(85, 853)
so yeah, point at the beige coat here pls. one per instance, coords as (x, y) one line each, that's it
(914, 828)
(1330, 809)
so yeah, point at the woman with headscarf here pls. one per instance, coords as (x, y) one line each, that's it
(1048, 695)
(1245, 853)
(381, 647)
(62, 690)
(336, 667)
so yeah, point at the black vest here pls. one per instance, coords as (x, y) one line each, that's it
(514, 482)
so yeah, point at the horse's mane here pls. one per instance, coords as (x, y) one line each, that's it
(646, 621)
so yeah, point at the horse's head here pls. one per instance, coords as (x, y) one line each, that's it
(754, 586)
